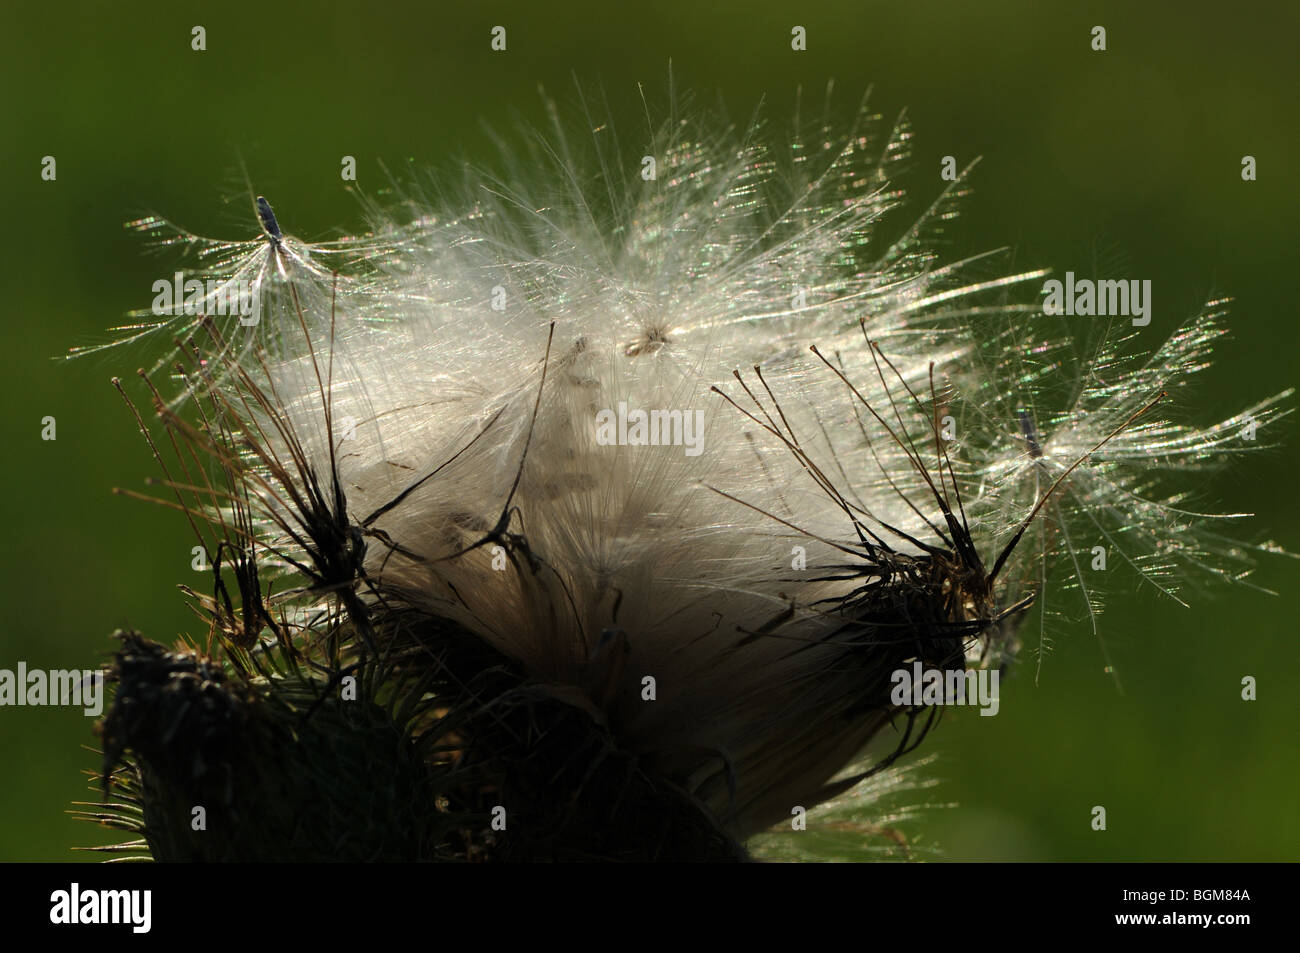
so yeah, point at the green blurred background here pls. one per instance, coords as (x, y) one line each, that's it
(1133, 152)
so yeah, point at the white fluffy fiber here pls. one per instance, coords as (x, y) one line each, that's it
(739, 253)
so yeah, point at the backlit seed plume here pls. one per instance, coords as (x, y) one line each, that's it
(1038, 399)
(595, 504)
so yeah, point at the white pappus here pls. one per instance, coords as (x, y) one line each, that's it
(427, 399)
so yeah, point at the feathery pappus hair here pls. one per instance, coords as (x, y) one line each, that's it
(588, 510)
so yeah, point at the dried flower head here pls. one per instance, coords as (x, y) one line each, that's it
(536, 504)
